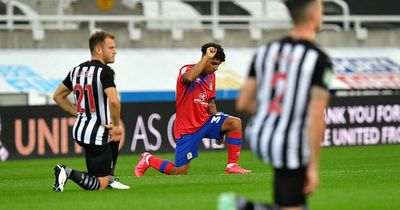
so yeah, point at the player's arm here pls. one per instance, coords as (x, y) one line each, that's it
(318, 102)
(107, 78)
(212, 107)
(194, 72)
(246, 102)
(60, 97)
(115, 112)
(114, 104)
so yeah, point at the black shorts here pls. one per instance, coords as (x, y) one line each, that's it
(98, 159)
(288, 187)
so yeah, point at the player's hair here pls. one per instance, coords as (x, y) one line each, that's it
(98, 37)
(220, 55)
(298, 9)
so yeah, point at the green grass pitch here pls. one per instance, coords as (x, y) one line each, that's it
(363, 177)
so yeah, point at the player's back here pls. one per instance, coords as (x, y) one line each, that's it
(88, 81)
(285, 71)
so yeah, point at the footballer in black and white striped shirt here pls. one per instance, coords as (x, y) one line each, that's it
(97, 109)
(285, 71)
(286, 93)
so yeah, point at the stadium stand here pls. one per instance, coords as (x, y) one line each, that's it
(178, 23)
(382, 7)
(141, 25)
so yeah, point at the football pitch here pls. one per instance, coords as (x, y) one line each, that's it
(362, 177)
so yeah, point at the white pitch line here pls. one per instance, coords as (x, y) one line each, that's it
(355, 171)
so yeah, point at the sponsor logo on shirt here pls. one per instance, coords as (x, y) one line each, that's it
(202, 99)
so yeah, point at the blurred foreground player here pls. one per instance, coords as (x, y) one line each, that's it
(286, 94)
(97, 112)
(197, 118)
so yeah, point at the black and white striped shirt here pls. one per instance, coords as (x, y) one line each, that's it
(285, 70)
(88, 82)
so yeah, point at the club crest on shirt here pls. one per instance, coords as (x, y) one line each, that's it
(211, 86)
(189, 155)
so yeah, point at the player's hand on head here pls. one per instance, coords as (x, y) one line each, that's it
(115, 132)
(211, 51)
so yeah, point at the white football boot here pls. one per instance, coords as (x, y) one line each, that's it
(61, 178)
(115, 184)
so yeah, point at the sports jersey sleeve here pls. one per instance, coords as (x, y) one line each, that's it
(252, 71)
(323, 72)
(183, 70)
(107, 78)
(67, 81)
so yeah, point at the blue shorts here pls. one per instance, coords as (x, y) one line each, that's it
(186, 146)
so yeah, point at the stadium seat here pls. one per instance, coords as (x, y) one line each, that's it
(17, 11)
(37, 27)
(273, 10)
(33, 11)
(130, 4)
(170, 9)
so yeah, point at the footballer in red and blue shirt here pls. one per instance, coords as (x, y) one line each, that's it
(197, 118)
(192, 101)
